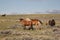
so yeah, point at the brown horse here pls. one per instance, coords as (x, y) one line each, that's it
(25, 23)
(51, 22)
(30, 23)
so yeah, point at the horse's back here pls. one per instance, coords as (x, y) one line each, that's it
(28, 19)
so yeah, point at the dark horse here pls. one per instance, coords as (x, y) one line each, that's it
(3, 15)
(30, 23)
(51, 22)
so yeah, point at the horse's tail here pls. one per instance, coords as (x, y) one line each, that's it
(40, 22)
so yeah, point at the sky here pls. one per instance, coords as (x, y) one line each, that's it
(28, 6)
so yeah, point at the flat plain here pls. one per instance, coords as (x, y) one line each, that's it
(10, 28)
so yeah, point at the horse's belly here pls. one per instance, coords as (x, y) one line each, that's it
(27, 24)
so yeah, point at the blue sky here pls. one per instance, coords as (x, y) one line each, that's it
(28, 6)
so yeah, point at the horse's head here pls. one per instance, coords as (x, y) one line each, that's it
(53, 20)
(21, 19)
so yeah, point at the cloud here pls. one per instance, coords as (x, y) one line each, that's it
(53, 11)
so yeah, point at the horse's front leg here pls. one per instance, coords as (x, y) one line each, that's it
(31, 27)
(24, 27)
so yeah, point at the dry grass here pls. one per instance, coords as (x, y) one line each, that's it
(15, 31)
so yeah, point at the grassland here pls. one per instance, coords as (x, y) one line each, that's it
(14, 30)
